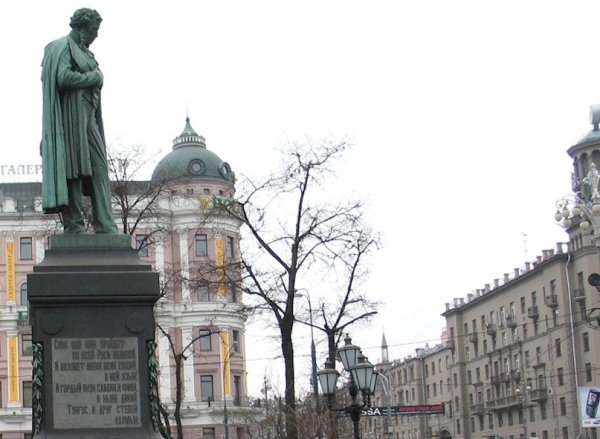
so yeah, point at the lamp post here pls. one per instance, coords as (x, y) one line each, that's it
(388, 393)
(313, 358)
(362, 377)
(226, 365)
(523, 392)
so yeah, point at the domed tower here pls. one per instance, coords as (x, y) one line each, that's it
(191, 162)
(586, 156)
(200, 315)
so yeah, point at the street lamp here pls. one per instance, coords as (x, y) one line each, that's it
(313, 358)
(362, 377)
(523, 391)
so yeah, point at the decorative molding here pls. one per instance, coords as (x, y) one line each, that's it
(37, 385)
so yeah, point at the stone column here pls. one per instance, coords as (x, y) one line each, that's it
(40, 247)
(184, 260)
(159, 251)
(164, 364)
(188, 365)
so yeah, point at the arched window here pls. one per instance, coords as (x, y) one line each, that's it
(24, 294)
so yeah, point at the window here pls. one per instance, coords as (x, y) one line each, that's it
(237, 390)
(527, 359)
(543, 413)
(586, 342)
(229, 249)
(206, 388)
(523, 307)
(588, 372)
(232, 292)
(202, 292)
(565, 433)
(208, 433)
(236, 340)
(560, 375)
(563, 406)
(26, 344)
(206, 191)
(27, 394)
(557, 348)
(205, 340)
(201, 244)
(23, 292)
(141, 244)
(26, 248)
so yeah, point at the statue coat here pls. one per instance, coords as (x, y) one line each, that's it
(70, 76)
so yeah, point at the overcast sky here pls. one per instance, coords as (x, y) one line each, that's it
(460, 113)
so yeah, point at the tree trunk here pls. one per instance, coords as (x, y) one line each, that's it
(178, 396)
(287, 348)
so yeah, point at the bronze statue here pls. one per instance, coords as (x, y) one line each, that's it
(73, 147)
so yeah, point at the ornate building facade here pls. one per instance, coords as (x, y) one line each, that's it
(200, 316)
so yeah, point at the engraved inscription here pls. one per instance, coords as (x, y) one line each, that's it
(95, 383)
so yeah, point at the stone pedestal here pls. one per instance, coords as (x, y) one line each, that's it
(94, 372)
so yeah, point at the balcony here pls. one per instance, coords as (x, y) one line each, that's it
(538, 395)
(539, 364)
(503, 403)
(495, 379)
(515, 374)
(551, 301)
(511, 321)
(490, 328)
(450, 344)
(532, 312)
(473, 337)
(22, 319)
(478, 409)
(505, 377)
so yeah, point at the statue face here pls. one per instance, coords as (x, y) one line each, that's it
(88, 34)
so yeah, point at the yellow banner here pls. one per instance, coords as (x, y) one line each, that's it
(225, 353)
(13, 369)
(11, 290)
(220, 256)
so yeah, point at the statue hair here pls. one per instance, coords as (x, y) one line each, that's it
(83, 17)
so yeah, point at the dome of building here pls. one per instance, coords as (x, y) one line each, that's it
(190, 160)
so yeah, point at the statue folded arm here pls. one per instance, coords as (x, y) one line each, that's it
(71, 79)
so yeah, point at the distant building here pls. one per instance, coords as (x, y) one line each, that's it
(515, 352)
(192, 248)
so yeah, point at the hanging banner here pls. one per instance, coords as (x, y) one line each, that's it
(225, 353)
(11, 290)
(13, 369)
(220, 257)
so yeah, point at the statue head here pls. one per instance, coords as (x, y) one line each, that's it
(85, 22)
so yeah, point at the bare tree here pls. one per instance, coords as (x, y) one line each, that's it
(300, 235)
(179, 355)
(136, 200)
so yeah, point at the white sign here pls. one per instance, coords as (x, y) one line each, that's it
(589, 399)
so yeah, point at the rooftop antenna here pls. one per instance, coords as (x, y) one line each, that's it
(525, 244)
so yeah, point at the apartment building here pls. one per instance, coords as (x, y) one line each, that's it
(516, 351)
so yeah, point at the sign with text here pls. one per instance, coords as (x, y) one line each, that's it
(430, 409)
(95, 383)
